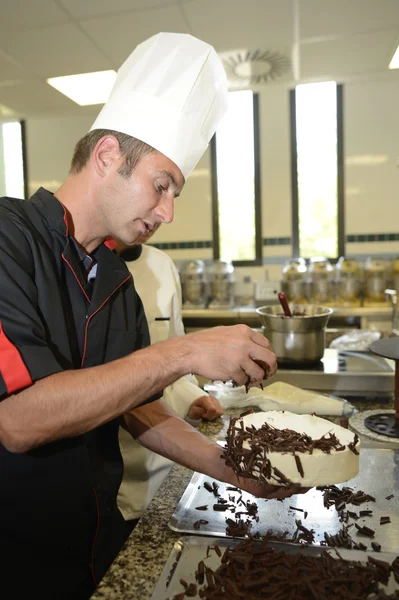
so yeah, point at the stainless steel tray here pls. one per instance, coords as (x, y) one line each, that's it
(188, 551)
(378, 476)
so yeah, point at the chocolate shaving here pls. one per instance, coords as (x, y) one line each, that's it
(299, 465)
(221, 507)
(200, 522)
(203, 507)
(365, 530)
(215, 488)
(385, 520)
(352, 445)
(390, 497)
(191, 591)
(200, 572)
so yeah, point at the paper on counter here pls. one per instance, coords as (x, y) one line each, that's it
(279, 396)
(283, 396)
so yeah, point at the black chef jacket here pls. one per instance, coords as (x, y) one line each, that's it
(59, 524)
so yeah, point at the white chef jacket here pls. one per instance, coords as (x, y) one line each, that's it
(157, 282)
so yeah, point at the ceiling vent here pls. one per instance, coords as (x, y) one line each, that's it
(255, 67)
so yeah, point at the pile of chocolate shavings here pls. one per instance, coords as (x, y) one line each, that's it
(251, 571)
(254, 463)
(339, 498)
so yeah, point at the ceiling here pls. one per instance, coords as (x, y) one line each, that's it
(323, 39)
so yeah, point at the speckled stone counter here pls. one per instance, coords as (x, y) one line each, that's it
(136, 570)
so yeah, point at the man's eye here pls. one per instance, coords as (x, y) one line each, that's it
(161, 188)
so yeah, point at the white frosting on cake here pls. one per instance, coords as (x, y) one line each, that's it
(319, 468)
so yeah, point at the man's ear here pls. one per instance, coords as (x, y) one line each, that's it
(105, 153)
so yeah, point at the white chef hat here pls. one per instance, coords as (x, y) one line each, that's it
(170, 93)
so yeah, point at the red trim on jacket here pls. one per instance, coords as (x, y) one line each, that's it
(13, 370)
(76, 277)
(110, 243)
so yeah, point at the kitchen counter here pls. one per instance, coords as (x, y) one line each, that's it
(137, 568)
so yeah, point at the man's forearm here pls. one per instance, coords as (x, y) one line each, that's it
(157, 428)
(73, 402)
(161, 431)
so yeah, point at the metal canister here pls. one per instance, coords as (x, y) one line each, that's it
(348, 285)
(222, 283)
(321, 274)
(194, 284)
(294, 280)
(376, 273)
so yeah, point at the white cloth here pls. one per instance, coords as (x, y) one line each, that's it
(170, 93)
(157, 282)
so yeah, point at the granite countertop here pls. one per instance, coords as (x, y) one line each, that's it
(137, 568)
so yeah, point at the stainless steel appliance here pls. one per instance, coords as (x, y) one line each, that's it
(297, 339)
(222, 284)
(194, 284)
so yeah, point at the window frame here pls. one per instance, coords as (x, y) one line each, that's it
(340, 177)
(257, 200)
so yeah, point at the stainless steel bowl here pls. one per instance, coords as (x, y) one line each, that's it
(298, 339)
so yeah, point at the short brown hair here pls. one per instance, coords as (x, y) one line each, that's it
(131, 148)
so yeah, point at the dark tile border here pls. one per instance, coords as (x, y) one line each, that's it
(372, 237)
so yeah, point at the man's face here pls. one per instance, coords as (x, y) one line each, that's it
(132, 207)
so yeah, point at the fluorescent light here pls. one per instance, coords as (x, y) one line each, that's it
(394, 64)
(85, 88)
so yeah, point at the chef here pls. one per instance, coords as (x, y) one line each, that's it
(73, 335)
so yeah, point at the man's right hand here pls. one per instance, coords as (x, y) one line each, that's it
(236, 352)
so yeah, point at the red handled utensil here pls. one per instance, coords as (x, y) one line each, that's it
(284, 303)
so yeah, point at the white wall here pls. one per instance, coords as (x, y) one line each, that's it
(50, 145)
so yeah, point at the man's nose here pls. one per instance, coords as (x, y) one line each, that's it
(166, 209)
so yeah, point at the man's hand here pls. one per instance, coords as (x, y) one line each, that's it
(263, 490)
(205, 407)
(236, 352)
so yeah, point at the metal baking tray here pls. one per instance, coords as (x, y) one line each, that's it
(187, 552)
(378, 476)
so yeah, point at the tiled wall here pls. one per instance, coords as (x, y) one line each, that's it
(371, 142)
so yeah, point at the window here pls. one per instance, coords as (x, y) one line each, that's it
(317, 170)
(237, 232)
(13, 180)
